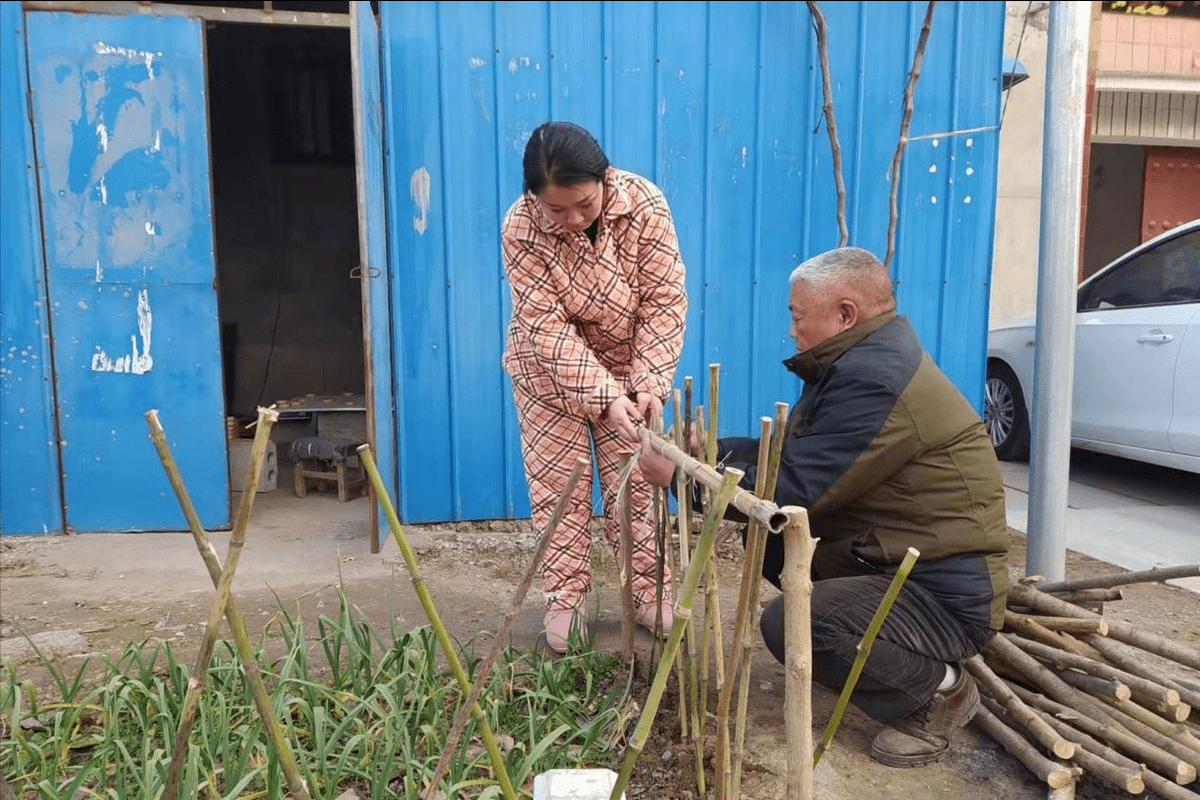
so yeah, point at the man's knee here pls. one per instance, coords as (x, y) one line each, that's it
(771, 626)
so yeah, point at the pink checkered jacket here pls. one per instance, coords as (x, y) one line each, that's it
(592, 322)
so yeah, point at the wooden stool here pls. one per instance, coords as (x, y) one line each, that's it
(324, 460)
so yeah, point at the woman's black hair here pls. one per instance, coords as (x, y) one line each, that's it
(562, 154)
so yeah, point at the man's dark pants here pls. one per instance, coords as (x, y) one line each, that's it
(908, 656)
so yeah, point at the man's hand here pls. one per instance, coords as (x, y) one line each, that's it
(657, 469)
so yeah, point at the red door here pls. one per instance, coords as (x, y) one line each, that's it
(1170, 197)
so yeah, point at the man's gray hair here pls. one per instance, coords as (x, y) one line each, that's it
(854, 269)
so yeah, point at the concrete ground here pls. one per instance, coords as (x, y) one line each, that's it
(1134, 515)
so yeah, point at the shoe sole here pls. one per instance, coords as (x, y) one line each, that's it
(893, 760)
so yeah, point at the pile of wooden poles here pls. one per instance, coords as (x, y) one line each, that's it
(1069, 691)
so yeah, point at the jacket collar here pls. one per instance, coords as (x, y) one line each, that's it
(809, 364)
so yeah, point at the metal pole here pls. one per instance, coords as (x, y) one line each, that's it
(1058, 260)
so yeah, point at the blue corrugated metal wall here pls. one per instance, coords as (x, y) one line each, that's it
(720, 103)
(29, 489)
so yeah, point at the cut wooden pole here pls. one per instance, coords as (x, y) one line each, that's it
(1031, 629)
(1155, 575)
(995, 686)
(864, 648)
(1080, 597)
(1171, 728)
(237, 539)
(1104, 688)
(1107, 730)
(1020, 594)
(501, 638)
(1134, 661)
(1068, 624)
(1096, 757)
(435, 620)
(796, 581)
(1052, 773)
(237, 624)
(1064, 660)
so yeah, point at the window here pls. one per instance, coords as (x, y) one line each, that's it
(1168, 273)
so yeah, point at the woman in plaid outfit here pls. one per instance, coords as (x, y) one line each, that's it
(599, 306)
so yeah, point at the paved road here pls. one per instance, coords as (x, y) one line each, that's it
(1134, 515)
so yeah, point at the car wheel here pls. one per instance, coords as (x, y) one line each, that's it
(1004, 414)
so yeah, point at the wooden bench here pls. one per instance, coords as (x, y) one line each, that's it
(325, 460)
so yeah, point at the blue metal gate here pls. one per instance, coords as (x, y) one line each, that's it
(121, 139)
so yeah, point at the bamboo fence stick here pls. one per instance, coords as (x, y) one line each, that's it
(625, 567)
(683, 493)
(435, 620)
(662, 557)
(712, 599)
(723, 764)
(864, 648)
(798, 669)
(1052, 773)
(1017, 708)
(683, 613)
(1173, 650)
(764, 511)
(237, 623)
(681, 659)
(775, 453)
(1157, 574)
(498, 642)
(1095, 756)
(237, 539)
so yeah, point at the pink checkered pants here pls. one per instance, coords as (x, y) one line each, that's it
(552, 439)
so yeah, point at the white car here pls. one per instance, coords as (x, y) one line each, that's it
(1137, 360)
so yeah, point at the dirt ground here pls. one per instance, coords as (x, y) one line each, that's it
(98, 593)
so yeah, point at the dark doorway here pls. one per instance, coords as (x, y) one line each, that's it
(286, 229)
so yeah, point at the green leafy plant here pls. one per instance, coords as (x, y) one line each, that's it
(372, 715)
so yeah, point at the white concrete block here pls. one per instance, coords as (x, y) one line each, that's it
(575, 784)
(239, 466)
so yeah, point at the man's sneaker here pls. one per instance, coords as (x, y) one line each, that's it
(564, 626)
(647, 613)
(924, 736)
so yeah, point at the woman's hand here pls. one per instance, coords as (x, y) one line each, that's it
(623, 414)
(649, 408)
